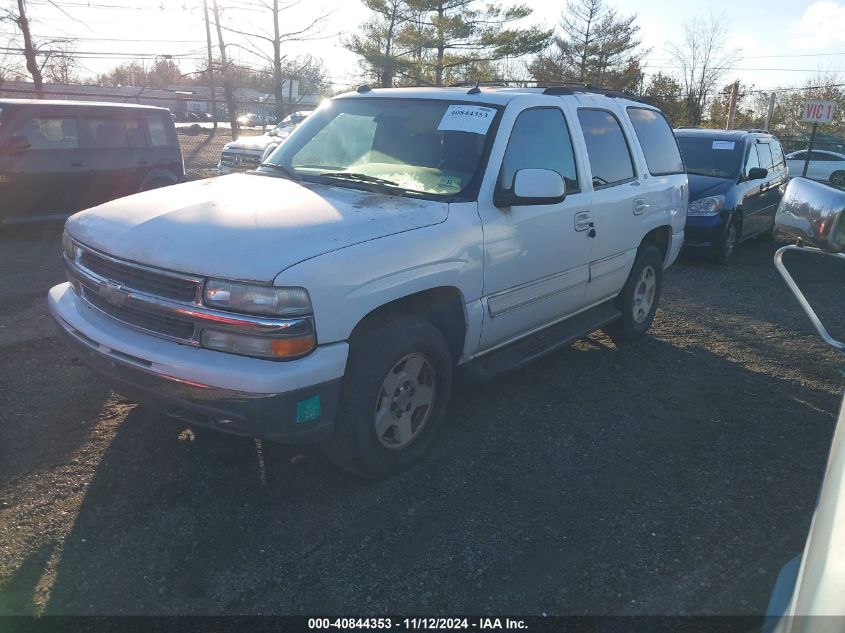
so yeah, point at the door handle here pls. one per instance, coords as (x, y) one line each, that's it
(77, 163)
(143, 162)
(583, 221)
(640, 205)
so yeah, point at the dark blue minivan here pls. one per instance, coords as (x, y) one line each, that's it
(736, 180)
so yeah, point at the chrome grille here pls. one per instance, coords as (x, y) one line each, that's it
(141, 279)
(240, 161)
(157, 323)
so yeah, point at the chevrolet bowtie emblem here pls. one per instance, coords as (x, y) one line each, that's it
(113, 294)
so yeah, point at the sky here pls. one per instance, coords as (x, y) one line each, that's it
(782, 43)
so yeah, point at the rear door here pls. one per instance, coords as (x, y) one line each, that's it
(619, 199)
(47, 176)
(118, 151)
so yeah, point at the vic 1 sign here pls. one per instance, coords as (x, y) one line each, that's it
(816, 111)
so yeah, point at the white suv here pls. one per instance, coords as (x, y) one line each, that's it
(396, 237)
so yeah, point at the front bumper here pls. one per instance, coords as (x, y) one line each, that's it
(290, 402)
(704, 230)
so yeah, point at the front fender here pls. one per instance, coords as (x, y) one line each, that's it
(347, 284)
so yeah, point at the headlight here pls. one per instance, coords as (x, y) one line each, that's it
(258, 346)
(706, 206)
(255, 299)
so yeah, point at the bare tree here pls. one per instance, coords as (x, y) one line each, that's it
(702, 57)
(17, 15)
(268, 46)
(227, 73)
(61, 65)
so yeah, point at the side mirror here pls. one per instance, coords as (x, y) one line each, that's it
(532, 187)
(270, 149)
(17, 144)
(813, 212)
(757, 173)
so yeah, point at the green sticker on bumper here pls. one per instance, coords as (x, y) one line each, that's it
(307, 410)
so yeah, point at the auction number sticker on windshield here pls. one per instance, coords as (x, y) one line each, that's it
(729, 145)
(463, 118)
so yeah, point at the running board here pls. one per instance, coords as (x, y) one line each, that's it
(524, 351)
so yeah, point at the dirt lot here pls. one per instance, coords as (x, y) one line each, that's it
(671, 476)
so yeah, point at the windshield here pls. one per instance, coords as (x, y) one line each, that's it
(710, 157)
(402, 146)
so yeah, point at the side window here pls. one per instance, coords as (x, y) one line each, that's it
(777, 155)
(610, 159)
(115, 133)
(49, 133)
(658, 142)
(540, 140)
(159, 130)
(799, 156)
(765, 154)
(752, 160)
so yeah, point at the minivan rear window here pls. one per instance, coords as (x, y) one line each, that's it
(159, 130)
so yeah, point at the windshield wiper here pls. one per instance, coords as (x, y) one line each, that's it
(363, 178)
(288, 173)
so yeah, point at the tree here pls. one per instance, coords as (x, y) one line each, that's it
(272, 54)
(746, 115)
(445, 36)
(597, 46)
(375, 44)
(227, 73)
(17, 15)
(61, 65)
(703, 58)
(666, 93)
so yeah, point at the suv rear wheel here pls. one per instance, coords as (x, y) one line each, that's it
(394, 396)
(639, 297)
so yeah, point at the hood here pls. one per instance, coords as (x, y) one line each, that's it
(259, 143)
(245, 227)
(703, 186)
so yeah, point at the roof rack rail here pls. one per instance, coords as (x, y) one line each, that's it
(572, 88)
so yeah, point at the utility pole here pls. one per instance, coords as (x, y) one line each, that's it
(210, 66)
(770, 111)
(227, 76)
(732, 110)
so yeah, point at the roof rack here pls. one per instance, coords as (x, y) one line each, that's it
(572, 88)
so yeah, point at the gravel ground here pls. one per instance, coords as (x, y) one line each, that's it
(675, 475)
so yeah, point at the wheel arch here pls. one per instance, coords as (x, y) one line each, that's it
(661, 237)
(442, 306)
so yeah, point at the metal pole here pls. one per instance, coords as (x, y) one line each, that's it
(810, 149)
(210, 66)
(770, 111)
(732, 110)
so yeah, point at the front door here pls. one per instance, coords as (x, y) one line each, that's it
(753, 199)
(536, 256)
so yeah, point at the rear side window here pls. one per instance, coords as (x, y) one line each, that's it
(610, 159)
(115, 133)
(540, 140)
(158, 129)
(765, 153)
(658, 142)
(49, 133)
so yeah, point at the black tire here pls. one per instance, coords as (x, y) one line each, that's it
(634, 321)
(837, 178)
(723, 252)
(374, 355)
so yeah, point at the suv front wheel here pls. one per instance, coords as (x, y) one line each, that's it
(394, 396)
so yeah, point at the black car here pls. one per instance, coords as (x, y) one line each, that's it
(736, 180)
(57, 157)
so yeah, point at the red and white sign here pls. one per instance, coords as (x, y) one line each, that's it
(816, 111)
